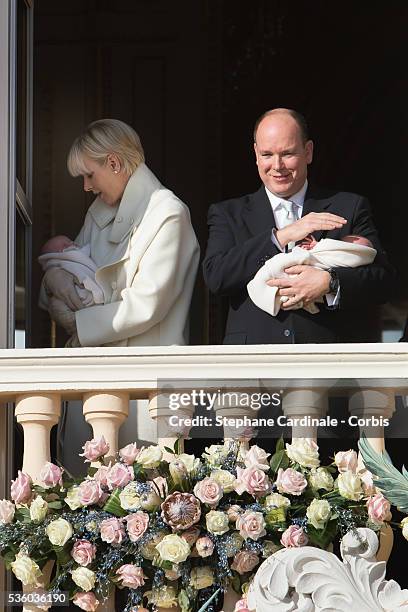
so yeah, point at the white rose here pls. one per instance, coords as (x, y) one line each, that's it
(304, 451)
(150, 500)
(7, 511)
(59, 532)
(25, 569)
(346, 460)
(192, 464)
(217, 522)
(321, 479)
(404, 525)
(129, 499)
(276, 500)
(350, 486)
(215, 454)
(173, 548)
(72, 498)
(84, 578)
(201, 577)
(318, 513)
(38, 509)
(149, 457)
(225, 479)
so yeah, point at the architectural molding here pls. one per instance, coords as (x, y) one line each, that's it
(309, 579)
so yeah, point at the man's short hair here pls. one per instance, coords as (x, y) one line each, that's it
(298, 117)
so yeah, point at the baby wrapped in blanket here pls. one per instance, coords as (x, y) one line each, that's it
(351, 251)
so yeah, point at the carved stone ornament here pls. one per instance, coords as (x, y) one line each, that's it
(308, 579)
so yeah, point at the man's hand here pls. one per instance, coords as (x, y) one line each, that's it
(61, 284)
(305, 284)
(307, 225)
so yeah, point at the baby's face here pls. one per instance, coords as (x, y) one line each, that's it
(354, 239)
(57, 244)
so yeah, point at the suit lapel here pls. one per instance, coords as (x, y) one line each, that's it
(257, 214)
(314, 202)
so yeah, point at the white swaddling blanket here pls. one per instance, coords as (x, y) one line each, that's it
(78, 262)
(327, 253)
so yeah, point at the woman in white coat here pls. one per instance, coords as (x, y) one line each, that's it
(143, 244)
(141, 240)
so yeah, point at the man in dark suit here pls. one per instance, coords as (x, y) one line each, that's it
(246, 231)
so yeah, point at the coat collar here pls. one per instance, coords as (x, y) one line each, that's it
(132, 207)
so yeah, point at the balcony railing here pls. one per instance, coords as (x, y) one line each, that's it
(105, 379)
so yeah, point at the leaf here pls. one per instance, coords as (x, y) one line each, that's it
(280, 445)
(113, 504)
(279, 460)
(184, 601)
(169, 450)
(8, 559)
(56, 505)
(177, 446)
(322, 537)
(389, 480)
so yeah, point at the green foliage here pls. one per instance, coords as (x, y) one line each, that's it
(322, 537)
(392, 483)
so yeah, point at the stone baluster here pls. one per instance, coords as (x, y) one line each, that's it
(37, 414)
(172, 424)
(371, 407)
(299, 404)
(106, 412)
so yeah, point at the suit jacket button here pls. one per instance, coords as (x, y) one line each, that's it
(287, 332)
(119, 219)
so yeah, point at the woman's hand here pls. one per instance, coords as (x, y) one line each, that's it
(61, 284)
(62, 315)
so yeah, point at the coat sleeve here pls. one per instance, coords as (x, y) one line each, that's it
(230, 263)
(157, 283)
(371, 284)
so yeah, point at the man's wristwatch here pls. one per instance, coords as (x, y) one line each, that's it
(334, 281)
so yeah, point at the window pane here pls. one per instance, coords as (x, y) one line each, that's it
(20, 313)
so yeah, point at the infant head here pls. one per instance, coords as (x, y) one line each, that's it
(354, 239)
(57, 244)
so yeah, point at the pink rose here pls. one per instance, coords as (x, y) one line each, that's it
(253, 480)
(131, 576)
(129, 453)
(245, 561)
(208, 491)
(191, 535)
(95, 448)
(160, 486)
(86, 601)
(136, 525)
(83, 552)
(89, 492)
(294, 537)
(7, 510)
(101, 475)
(119, 475)
(21, 488)
(346, 460)
(205, 546)
(256, 457)
(290, 481)
(112, 531)
(51, 475)
(379, 508)
(241, 606)
(251, 525)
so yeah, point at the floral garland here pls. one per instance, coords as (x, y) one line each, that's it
(183, 530)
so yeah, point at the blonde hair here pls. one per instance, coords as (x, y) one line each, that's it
(101, 138)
